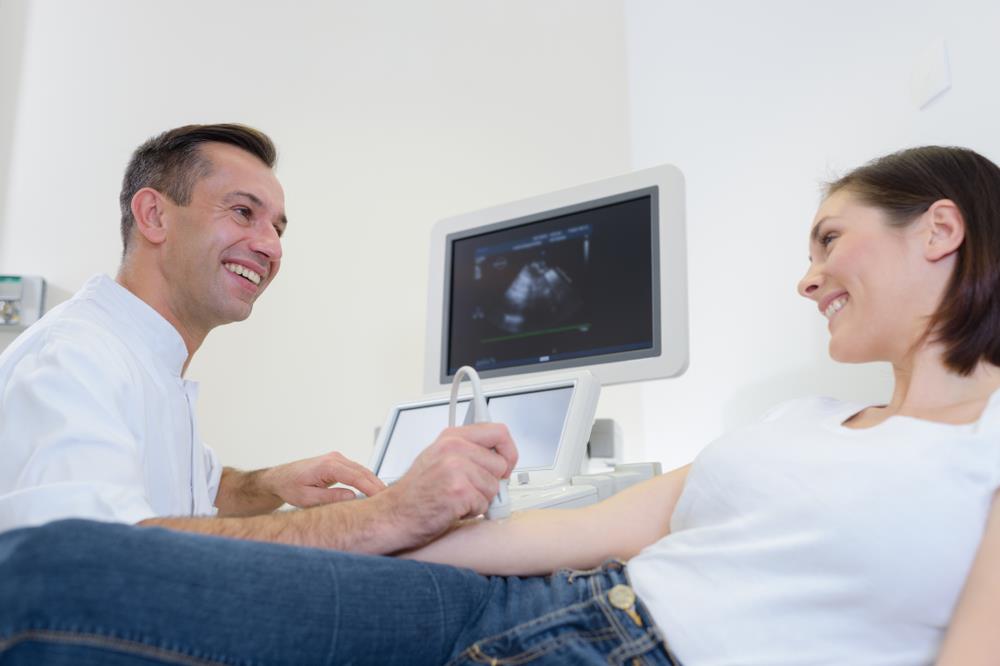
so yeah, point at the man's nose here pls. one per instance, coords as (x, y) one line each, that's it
(267, 242)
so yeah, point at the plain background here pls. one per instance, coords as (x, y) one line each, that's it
(391, 114)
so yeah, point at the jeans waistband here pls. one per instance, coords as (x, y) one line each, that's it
(609, 584)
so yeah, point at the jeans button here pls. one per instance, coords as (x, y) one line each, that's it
(621, 597)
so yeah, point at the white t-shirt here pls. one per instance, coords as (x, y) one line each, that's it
(95, 419)
(799, 541)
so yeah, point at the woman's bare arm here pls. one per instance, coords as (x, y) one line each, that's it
(539, 542)
(972, 636)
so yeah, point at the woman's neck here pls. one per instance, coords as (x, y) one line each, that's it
(926, 388)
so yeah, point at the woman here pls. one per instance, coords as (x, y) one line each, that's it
(829, 532)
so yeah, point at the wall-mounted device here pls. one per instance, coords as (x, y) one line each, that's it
(22, 300)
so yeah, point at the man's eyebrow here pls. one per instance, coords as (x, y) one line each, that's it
(254, 199)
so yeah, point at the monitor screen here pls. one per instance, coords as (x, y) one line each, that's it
(535, 419)
(569, 287)
(414, 429)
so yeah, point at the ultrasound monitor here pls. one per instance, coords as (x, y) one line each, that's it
(592, 277)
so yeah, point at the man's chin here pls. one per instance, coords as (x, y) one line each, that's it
(244, 314)
(238, 314)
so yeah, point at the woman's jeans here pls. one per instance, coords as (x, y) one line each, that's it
(80, 592)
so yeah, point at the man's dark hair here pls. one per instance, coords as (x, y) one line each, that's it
(904, 185)
(172, 163)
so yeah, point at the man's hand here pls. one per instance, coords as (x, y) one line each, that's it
(455, 477)
(303, 484)
(307, 482)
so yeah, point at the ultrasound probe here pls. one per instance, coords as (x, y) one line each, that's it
(477, 413)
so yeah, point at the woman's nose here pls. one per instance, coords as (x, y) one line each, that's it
(810, 282)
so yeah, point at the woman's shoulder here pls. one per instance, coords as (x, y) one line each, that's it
(811, 407)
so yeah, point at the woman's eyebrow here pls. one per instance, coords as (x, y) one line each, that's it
(814, 235)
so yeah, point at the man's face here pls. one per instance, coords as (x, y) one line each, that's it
(224, 247)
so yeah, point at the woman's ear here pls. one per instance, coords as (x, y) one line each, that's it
(148, 209)
(947, 230)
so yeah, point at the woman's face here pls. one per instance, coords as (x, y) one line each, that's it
(871, 281)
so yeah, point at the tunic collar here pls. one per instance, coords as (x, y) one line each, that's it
(156, 333)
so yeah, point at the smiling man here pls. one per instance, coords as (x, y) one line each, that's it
(97, 420)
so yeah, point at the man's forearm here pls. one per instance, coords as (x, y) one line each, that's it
(360, 526)
(245, 494)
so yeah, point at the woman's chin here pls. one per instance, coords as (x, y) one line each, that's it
(845, 354)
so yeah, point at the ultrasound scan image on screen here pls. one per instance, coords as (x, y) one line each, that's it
(577, 285)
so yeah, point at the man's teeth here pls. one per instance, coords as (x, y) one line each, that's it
(834, 307)
(244, 271)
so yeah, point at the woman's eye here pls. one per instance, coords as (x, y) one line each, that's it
(826, 239)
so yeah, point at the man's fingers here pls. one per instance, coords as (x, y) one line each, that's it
(340, 494)
(486, 485)
(491, 436)
(465, 452)
(318, 496)
(487, 460)
(352, 474)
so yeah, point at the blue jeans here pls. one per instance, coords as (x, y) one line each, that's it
(80, 592)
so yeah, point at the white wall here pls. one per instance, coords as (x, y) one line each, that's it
(12, 28)
(757, 103)
(388, 116)
(12, 19)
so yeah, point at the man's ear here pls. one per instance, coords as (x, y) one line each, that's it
(148, 208)
(947, 230)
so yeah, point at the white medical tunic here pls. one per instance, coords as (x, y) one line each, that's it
(95, 419)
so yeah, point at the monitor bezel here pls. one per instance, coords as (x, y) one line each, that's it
(669, 354)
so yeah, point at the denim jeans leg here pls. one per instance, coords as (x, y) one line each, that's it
(79, 592)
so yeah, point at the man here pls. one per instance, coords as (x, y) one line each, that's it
(96, 420)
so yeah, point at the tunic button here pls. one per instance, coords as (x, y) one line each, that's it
(621, 597)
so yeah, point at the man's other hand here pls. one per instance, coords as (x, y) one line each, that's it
(306, 483)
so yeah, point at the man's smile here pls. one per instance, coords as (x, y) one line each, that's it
(250, 274)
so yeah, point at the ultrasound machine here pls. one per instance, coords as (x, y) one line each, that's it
(548, 299)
